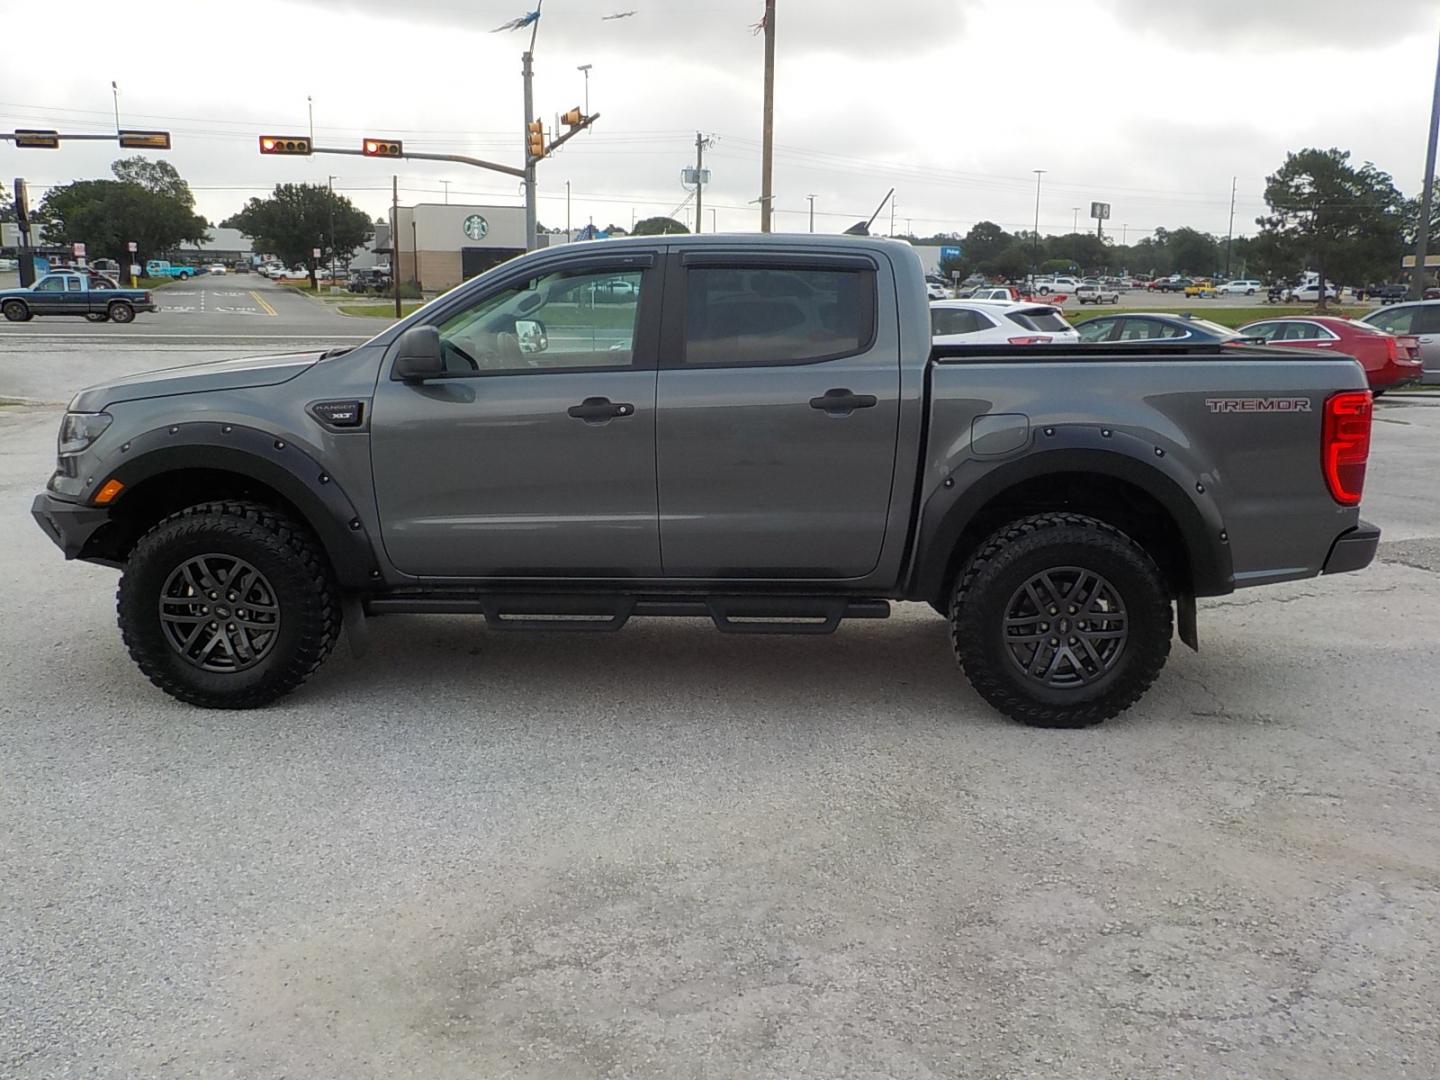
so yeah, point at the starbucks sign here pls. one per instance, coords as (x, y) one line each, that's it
(476, 227)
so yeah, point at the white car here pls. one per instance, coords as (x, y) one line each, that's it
(218, 268)
(272, 270)
(1097, 294)
(996, 322)
(1245, 287)
(935, 292)
(992, 292)
(9, 264)
(1310, 294)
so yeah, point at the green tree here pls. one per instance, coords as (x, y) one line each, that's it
(658, 226)
(7, 206)
(1011, 264)
(299, 218)
(1347, 221)
(1192, 251)
(147, 203)
(983, 242)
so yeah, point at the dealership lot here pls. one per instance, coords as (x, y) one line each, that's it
(673, 853)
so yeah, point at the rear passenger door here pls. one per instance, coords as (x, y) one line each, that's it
(777, 415)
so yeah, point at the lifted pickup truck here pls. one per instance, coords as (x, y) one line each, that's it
(755, 430)
(71, 293)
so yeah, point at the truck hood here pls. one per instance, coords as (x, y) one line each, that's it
(242, 374)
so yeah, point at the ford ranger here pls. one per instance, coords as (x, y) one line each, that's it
(757, 430)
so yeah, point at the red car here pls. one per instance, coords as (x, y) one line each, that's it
(1389, 360)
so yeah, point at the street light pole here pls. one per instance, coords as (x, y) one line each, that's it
(1035, 241)
(767, 126)
(812, 211)
(527, 73)
(1427, 194)
(586, 69)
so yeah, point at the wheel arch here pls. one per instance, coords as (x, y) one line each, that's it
(1185, 538)
(191, 467)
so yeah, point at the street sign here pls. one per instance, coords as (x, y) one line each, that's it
(132, 246)
(37, 139)
(476, 227)
(314, 253)
(949, 253)
(145, 140)
(1100, 211)
(78, 249)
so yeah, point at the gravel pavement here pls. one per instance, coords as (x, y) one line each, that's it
(669, 853)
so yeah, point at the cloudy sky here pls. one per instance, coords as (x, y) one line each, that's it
(1152, 106)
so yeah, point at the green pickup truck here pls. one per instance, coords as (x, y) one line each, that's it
(67, 292)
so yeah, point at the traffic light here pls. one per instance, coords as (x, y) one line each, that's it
(535, 138)
(37, 140)
(573, 117)
(284, 144)
(382, 148)
(145, 140)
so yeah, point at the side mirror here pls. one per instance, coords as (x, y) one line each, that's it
(418, 355)
(532, 335)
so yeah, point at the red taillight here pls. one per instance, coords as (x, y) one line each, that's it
(1392, 351)
(1034, 339)
(1345, 444)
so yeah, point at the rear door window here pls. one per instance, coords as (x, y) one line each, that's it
(1045, 320)
(1427, 319)
(1097, 329)
(1149, 330)
(1396, 321)
(947, 321)
(738, 315)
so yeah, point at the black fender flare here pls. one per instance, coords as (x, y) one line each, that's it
(946, 514)
(272, 460)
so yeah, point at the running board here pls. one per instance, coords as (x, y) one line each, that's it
(730, 614)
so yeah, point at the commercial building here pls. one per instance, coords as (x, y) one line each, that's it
(442, 244)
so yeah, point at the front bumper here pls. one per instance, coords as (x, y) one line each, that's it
(69, 524)
(1354, 549)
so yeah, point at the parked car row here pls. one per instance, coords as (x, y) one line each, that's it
(1396, 346)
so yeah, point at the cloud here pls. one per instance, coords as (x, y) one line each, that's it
(1274, 25)
(707, 34)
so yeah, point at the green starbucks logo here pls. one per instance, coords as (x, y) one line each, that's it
(476, 227)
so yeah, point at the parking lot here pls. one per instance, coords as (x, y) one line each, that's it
(672, 853)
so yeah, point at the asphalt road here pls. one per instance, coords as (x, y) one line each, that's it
(670, 853)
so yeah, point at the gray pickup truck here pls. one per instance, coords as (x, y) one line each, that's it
(753, 429)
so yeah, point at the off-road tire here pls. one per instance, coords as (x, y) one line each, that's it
(15, 310)
(292, 564)
(1012, 556)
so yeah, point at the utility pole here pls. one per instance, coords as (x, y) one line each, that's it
(700, 143)
(1230, 234)
(585, 68)
(395, 240)
(1075, 228)
(527, 73)
(1035, 241)
(1422, 227)
(892, 217)
(812, 211)
(569, 236)
(713, 227)
(330, 183)
(767, 153)
(310, 108)
(115, 93)
(446, 184)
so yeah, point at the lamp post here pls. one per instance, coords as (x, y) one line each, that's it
(1035, 241)
(585, 69)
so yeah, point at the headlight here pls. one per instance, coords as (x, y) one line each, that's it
(78, 430)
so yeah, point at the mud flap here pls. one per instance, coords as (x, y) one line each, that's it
(1186, 623)
(357, 633)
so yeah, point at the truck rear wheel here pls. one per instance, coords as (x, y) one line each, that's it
(227, 605)
(121, 312)
(1061, 620)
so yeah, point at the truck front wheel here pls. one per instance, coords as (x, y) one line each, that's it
(15, 310)
(227, 605)
(1061, 620)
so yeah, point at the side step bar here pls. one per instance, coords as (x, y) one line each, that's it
(730, 614)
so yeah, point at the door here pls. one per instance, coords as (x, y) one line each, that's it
(48, 295)
(77, 295)
(536, 456)
(1422, 320)
(778, 413)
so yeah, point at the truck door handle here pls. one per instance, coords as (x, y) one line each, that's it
(842, 402)
(596, 410)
